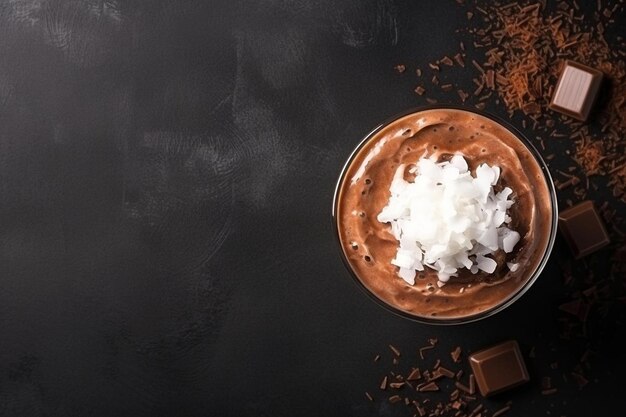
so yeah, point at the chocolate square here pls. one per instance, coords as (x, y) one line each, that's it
(582, 228)
(576, 90)
(499, 368)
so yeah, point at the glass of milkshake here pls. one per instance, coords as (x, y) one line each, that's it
(445, 215)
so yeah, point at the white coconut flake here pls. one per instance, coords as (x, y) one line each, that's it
(448, 219)
(512, 266)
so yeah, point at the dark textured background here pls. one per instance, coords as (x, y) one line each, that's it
(166, 178)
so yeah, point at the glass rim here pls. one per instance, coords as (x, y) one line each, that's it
(521, 290)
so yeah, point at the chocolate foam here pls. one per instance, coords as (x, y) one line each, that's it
(369, 246)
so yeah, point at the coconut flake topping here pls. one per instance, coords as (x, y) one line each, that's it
(447, 219)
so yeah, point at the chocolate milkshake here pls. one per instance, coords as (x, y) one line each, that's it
(369, 246)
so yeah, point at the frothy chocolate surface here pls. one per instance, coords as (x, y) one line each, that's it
(369, 245)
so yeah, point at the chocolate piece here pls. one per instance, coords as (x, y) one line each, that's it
(583, 229)
(576, 90)
(499, 368)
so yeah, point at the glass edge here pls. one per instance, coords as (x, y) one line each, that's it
(484, 314)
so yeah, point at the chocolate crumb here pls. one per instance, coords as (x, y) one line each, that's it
(420, 90)
(400, 68)
(418, 72)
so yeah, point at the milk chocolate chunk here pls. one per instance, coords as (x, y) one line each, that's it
(576, 90)
(499, 368)
(583, 229)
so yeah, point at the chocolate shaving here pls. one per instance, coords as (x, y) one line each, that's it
(501, 411)
(456, 354)
(396, 385)
(459, 60)
(476, 410)
(580, 380)
(431, 386)
(420, 90)
(425, 348)
(394, 399)
(369, 397)
(414, 375)
(383, 384)
(447, 61)
(462, 387)
(394, 350)
(549, 391)
(446, 372)
(400, 68)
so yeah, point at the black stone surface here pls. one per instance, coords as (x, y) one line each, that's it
(166, 179)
